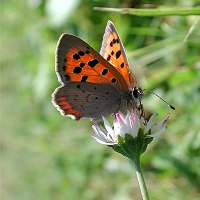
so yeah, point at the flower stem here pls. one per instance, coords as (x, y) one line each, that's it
(141, 181)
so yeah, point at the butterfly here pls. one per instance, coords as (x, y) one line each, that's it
(94, 84)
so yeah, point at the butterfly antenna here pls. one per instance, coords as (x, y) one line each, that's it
(172, 107)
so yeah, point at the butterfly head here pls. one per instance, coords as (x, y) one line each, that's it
(136, 93)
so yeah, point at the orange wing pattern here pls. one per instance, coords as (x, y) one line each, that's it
(62, 104)
(76, 61)
(113, 51)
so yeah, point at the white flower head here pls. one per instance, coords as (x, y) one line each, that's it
(130, 124)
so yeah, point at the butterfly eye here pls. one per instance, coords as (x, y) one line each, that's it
(135, 93)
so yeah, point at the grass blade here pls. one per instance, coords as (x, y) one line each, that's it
(162, 11)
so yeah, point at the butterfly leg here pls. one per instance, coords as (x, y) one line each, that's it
(141, 110)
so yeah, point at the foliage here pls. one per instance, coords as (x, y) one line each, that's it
(46, 156)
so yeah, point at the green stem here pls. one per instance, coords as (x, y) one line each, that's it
(141, 181)
(162, 11)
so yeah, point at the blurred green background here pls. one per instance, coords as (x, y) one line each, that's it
(46, 156)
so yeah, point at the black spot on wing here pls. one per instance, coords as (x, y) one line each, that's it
(108, 58)
(77, 70)
(114, 41)
(113, 80)
(84, 78)
(118, 53)
(81, 53)
(82, 64)
(76, 56)
(67, 77)
(104, 72)
(122, 65)
(92, 63)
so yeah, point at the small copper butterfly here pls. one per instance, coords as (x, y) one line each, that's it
(94, 84)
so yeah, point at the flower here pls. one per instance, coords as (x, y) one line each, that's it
(130, 124)
(130, 133)
(130, 136)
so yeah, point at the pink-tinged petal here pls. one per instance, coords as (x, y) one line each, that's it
(134, 123)
(117, 124)
(118, 118)
(120, 125)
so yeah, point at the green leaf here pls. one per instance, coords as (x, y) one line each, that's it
(133, 147)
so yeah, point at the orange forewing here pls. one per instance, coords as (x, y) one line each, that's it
(77, 61)
(113, 51)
